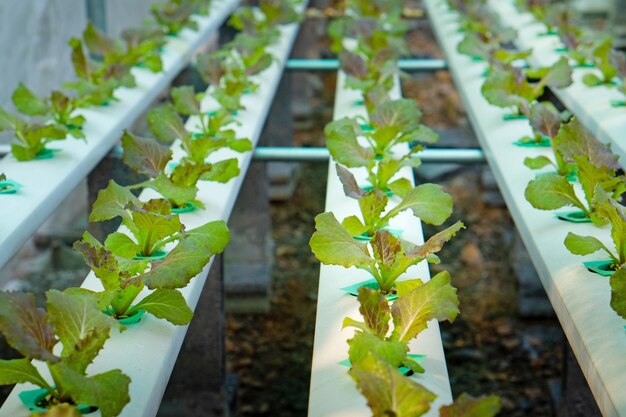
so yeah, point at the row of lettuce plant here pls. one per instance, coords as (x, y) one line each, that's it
(153, 250)
(584, 47)
(579, 160)
(369, 39)
(102, 65)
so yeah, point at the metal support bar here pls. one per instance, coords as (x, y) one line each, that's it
(333, 64)
(288, 154)
(447, 155)
(97, 14)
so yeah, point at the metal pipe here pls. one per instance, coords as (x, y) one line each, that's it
(333, 64)
(443, 155)
(289, 154)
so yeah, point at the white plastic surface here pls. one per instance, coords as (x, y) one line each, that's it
(46, 183)
(333, 393)
(592, 105)
(147, 352)
(579, 297)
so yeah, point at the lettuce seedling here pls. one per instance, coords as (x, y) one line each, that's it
(228, 76)
(429, 201)
(124, 279)
(392, 123)
(597, 166)
(368, 74)
(417, 304)
(96, 82)
(374, 8)
(618, 59)
(59, 107)
(333, 244)
(74, 320)
(98, 78)
(368, 49)
(507, 86)
(143, 46)
(481, 19)
(249, 21)
(578, 43)
(478, 46)
(251, 52)
(546, 122)
(151, 225)
(30, 139)
(263, 21)
(213, 134)
(618, 292)
(369, 35)
(174, 16)
(541, 10)
(613, 212)
(179, 187)
(601, 55)
(390, 393)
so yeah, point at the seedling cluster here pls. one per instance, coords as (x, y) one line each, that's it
(587, 175)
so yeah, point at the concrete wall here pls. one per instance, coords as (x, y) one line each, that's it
(122, 14)
(33, 43)
(34, 36)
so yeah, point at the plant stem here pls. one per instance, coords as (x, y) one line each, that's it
(164, 242)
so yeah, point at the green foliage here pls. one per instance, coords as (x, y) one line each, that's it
(97, 81)
(166, 125)
(368, 48)
(418, 304)
(579, 44)
(58, 106)
(427, 201)
(618, 60)
(618, 292)
(178, 187)
(597, 169)
(174, 16)
(261, 22)
(507, 86)
(99, 78)
(608, 210)
(151, 225)
(123, 279)
(30, 138)
(333, 243)
(389, 393)
(601, 55)
(393, 122)
(74, 320)
(467, 406)
(546, 122)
